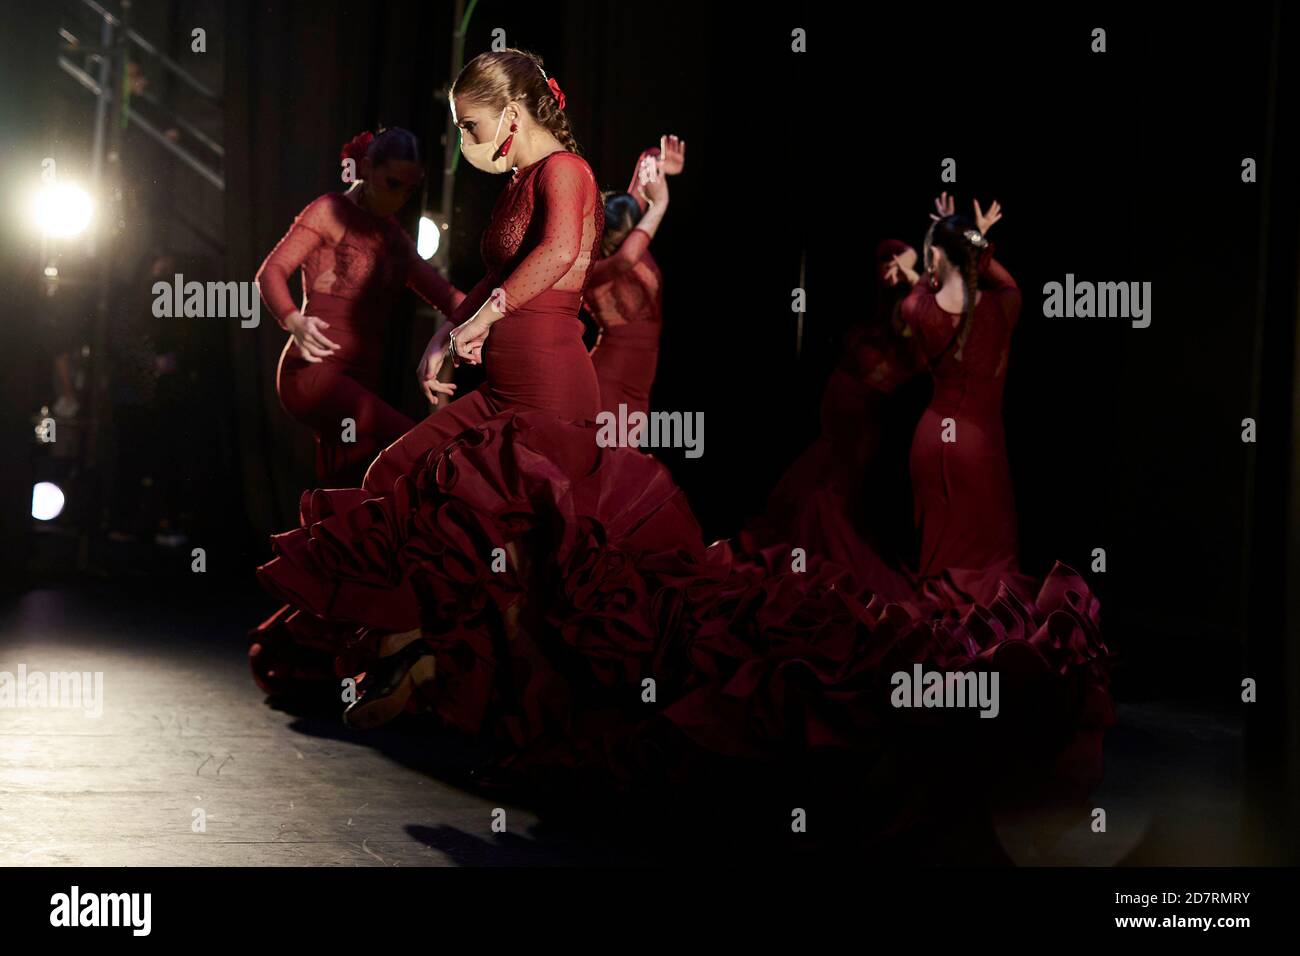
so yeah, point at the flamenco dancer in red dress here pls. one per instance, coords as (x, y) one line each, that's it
(523, 584)
(625, 294)
(538, 252)
(962, 316)
(355, 259)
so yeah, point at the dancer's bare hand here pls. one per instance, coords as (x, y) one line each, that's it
(944, 204)
(672, 154)
(468, 338)
(984, 220)
(656, 190)
(435, 380)
(432, 358)
(440, 389)
(309, 337)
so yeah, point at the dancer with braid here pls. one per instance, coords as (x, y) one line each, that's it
(962, 315)
(538, 250)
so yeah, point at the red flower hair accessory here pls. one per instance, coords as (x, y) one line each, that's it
(356, 147)
(555, 88)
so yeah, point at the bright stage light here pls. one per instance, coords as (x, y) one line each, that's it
(426, 240)
(62, 209)
(47, 501)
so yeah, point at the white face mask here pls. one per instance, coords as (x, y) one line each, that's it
(481, 155)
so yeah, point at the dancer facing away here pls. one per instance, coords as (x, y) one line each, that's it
(625, 294)
(964, 507)
(355, 259)
(524, 584)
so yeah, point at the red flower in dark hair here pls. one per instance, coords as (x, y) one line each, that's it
(555, 88)
(356, 147)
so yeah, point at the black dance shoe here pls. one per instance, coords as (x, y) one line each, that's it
(387, 690)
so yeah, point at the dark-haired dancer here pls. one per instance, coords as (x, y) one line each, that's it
(524, 583)
(355, 259)
(962, 315)
(625, 294)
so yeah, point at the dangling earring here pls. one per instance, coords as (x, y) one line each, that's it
(505, 147)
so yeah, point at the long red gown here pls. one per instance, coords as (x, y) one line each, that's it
(964, 506)
(625, 297)
(609, 591)
(354, 265)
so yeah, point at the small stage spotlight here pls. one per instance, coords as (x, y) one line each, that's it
(47, 501)
(426, 240)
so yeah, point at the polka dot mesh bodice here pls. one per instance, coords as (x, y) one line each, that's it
(544, 230)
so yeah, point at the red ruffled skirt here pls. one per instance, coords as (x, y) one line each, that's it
(577, 617)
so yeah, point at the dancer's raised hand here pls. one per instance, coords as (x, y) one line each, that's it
(656, 189)
(307, 333)
(945, 205)
(984, 220)
(672, 154)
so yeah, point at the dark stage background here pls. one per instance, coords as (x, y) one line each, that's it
(1116, 167)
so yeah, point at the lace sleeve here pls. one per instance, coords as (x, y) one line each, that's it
(566, 193)
(315, 226)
